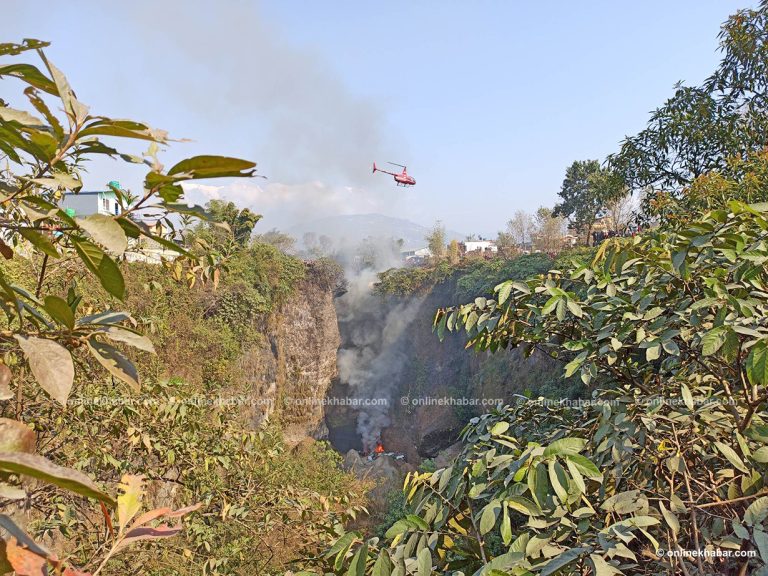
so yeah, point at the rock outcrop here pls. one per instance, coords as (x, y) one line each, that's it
(290, 373)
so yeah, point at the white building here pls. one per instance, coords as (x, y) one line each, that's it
(85, 203)
(480, 246)
(140, 249)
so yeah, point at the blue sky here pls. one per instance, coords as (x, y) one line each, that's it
(486, 101)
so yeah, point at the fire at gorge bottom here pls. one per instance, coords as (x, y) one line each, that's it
(379, 451)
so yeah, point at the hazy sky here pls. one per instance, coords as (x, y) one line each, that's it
(486, 101)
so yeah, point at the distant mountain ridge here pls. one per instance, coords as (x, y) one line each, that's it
(354, 228)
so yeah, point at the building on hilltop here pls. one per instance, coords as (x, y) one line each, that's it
(481, 246)
(142, 249)
(85, 203)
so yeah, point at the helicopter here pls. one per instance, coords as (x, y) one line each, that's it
(402, 179)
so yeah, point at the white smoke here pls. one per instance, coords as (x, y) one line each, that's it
(285, 205)
(373, 354)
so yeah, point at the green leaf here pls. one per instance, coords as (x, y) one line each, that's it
(761, 541)
(76, 110)
(105, 231)
(122, 129)
(357, 566)
(501, 565)
(343, 543)
(687, 396)
(523, 505)
(504, 291)
(756, 512)
(115, 362)
(60, 311)
(761, 455)
(102, 266)
(558, 480)
(585, 466)
(489, 515)
(424, 560)
(575, 308)
(38, 467)
(130, 337)
(521, 287)
(40, 242)
(565, 446)
(51, 365)
(212, 167)
(578, 479)
(499, 428)
(602, 568)
(713, 340)
(624, 502)
(31, 75)
(399, 527)
(670, 519)
(506, 527)
(20, 116)
(757, 364)
(420, 524)
(653, 352)
(561, 561)
(383, 565)
(731, 456)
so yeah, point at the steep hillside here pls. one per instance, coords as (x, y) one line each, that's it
(225, 415)
(432, 388)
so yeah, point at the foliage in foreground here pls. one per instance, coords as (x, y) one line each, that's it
(671, 454)
(53, 321)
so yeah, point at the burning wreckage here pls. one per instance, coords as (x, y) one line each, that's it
(379, 451)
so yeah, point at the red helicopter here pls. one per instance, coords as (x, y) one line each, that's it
(402, 179)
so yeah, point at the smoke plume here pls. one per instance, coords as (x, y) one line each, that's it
(372, 355)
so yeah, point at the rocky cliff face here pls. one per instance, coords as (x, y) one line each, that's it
(291, 371)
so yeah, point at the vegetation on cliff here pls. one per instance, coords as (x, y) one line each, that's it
(105, 412)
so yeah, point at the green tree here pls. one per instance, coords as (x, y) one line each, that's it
(454, 254)
(505, 242)
(587, 189)
(548, 231)
(280, 240)
(436, 240)
(241, 222)
(700, 127)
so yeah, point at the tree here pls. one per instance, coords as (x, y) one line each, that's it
(505, 242)
(454, 254)
(619, 213)
(743, 179)
(587, 189)
(699, 128)
(667, 329)
(520, 227)
(280, 240)
(326, 245)
(240, 221)
(548, 231)
(436, 240)
(44, 149)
